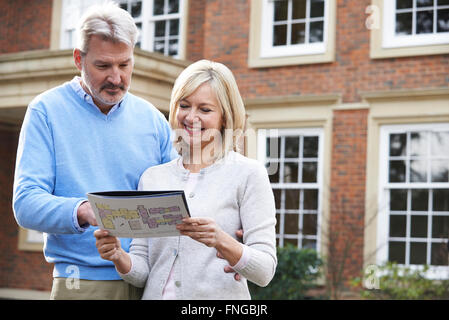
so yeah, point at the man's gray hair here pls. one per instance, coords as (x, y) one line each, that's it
(110, 22)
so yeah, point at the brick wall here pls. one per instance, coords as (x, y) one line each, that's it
(24, 25)
(225, 39)
(18, 269)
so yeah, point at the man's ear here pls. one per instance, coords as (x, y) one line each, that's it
(77, 58)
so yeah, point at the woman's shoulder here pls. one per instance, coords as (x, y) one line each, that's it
(240, 162)
(161, 168)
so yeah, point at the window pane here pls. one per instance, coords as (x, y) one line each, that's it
(420, 199)
(316, 32)
(440, 171)
(440, 227)
(424, 3)
(398, 200)
(136, 9)
(443, 20)
(443, 2)
(418, 252)
(158, 7)
(441, 200)
(316, 8)
(439, 254)
(299, 9)
(291, 241)
(397, 171)
(309, 244)
(310, 199)
(309, 172)
(273, 148)
(273, 175)
(173, 47)
(310, 148)
(298, 33)
(291, 147)
(291, 199)
(291, 223)
(440, 144)
(277, 197)
(159, 46)
(424, 22)
(291, 172)
(418, 171)
(309, 222)
(280, 10)
(398, 144)
(404, 23)
(418, 226)
(280, 35)
(397, 226)
(404, 4)
(174, 27)
(396, 252)
(173, 6)
(418, 143)
(159, 29)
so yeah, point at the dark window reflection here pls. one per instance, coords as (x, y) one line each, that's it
(398, 144)
(398, 200)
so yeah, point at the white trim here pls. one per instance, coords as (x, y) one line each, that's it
(263, 134)
(391, 40)
(435, 272)
(267, 50)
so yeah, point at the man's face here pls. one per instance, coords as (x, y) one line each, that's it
(105, 71)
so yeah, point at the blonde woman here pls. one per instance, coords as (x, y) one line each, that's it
(225, 192)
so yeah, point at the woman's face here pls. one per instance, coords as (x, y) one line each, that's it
(200, 117)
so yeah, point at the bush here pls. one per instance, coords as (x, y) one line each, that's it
(402, 283)
(297, 271)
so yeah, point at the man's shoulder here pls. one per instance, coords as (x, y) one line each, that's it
(50, 97)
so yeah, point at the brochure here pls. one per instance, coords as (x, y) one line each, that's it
(139, 214)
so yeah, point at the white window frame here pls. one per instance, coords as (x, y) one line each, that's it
(263, 134)
(391, 40)
(434, 272)
(147, 20)
(267, 50)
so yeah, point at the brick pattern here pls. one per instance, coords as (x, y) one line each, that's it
(225, 33)
(25, 25)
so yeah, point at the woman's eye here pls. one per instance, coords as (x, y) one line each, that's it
(183, 106)
(206, 110)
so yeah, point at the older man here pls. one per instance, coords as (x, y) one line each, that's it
(86, 135)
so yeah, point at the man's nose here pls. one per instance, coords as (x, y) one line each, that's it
(115, 76)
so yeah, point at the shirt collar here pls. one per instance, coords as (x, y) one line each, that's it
(76, 86)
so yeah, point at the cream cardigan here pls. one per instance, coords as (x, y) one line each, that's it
(234, 191)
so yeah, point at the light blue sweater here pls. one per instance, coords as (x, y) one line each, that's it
(67, 148)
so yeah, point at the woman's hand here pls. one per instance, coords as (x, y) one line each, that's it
(204, 230)
(207, 231)
(109, 248)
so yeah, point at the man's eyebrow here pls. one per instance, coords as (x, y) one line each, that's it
(108, 62)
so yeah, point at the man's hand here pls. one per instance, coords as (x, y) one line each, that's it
(86, 215)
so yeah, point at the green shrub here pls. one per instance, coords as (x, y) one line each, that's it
(296, 272)
(403, 283)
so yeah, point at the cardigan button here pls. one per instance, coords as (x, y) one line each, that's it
(178, 283)
(191, 194)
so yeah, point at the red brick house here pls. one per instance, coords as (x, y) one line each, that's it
(347, 102)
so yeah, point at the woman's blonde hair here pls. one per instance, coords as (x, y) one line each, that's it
(222, 82)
